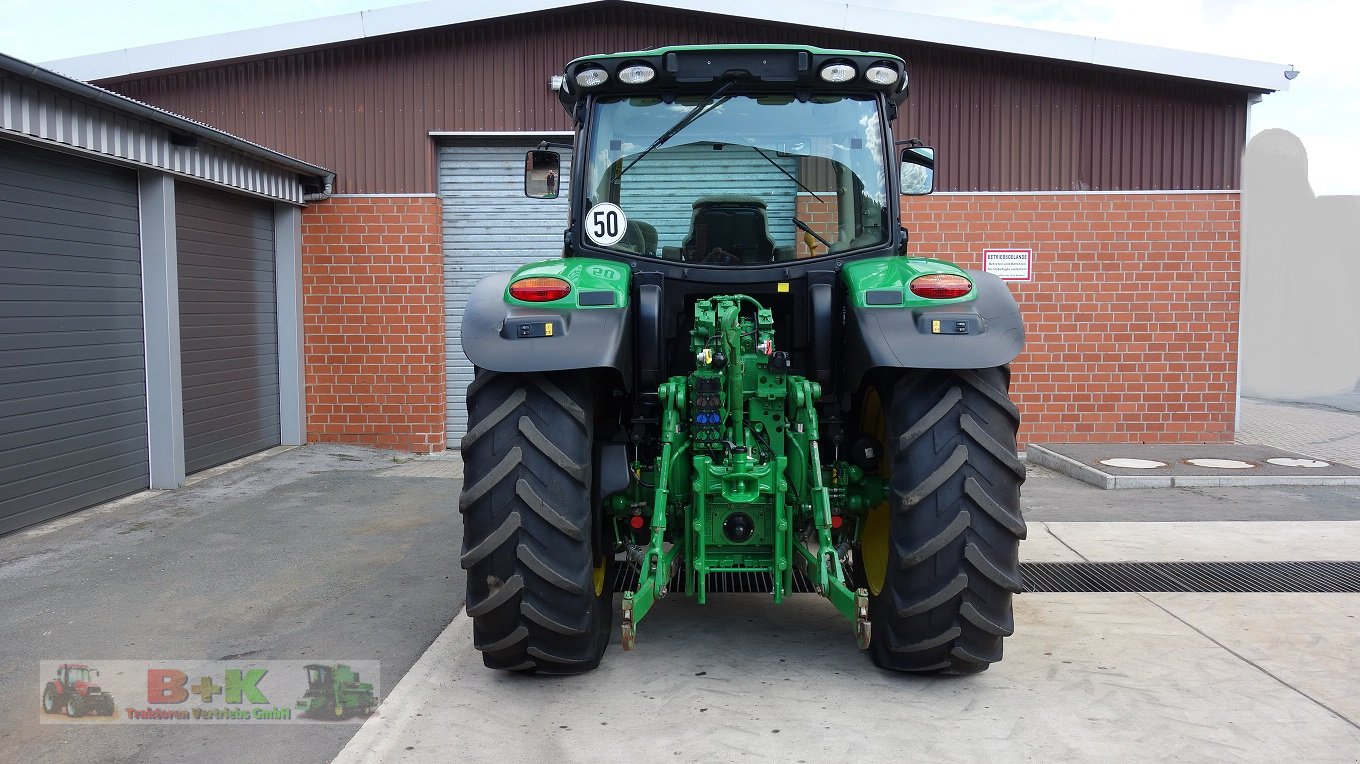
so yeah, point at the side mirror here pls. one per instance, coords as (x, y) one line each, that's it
(542, 174)
(918, 171)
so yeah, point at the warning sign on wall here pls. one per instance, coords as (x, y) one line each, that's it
(1008, 264)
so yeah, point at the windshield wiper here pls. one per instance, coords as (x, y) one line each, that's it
(709, 103)
(787, 173)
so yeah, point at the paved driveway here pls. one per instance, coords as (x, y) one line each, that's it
(320, 552)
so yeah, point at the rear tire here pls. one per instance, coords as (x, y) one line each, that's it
(536, 586)
(943, 601)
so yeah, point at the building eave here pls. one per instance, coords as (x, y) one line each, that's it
(1254, 76)
(319, 178)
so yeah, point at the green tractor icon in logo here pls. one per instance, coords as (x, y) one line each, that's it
(73, 692)
(334, 692)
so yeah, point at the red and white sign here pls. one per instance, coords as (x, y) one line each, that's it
(1008, 264)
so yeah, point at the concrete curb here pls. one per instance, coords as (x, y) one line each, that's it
(1046, 457)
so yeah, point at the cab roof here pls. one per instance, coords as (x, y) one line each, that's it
(754, 68)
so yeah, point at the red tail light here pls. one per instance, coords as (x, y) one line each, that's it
(540, 289)
(940, 286)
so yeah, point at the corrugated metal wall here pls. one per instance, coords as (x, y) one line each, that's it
(33, 112)
(1002, 123)
(489, 227)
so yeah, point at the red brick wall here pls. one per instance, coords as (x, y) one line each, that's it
(821, 216)
(373, 316)
(1131, 315)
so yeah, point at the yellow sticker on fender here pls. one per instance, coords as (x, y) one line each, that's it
(783, 287)
(547, 329)
(934, 327)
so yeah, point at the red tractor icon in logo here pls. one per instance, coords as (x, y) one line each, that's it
(73, 692)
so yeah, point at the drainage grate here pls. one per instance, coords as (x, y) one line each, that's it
(1207, 577)
(1295, 577)
(626, 576)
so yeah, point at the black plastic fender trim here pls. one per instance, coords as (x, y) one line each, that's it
(901, 338)
(581, 338)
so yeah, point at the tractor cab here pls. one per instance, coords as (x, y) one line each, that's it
(319, 680)
(726, 156)
(708, 170)
(74, 675)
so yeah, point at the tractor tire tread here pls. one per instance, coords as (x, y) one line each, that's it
(932, 546)
(946, 593)
(528, 517)
(491, 543)
(956, 526)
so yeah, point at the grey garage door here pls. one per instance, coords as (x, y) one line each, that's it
(489, 226)
(72, 365)
(229, 348)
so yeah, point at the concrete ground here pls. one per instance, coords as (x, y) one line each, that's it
(1325, 432)
(321, 552)
(336, 552)
(1114, 677)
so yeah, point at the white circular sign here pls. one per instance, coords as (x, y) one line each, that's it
(1282, 461)
(1133, 464)
(1221, 464)
(605, 224)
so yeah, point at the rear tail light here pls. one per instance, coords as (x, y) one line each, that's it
(940, 286)
(540, 289)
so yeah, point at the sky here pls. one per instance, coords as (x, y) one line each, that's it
(1321, 106)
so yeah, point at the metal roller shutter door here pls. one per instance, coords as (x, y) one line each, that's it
(744, 173)
(72, 361)
(489, 226)
(229, 355)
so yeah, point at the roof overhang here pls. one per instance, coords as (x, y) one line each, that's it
(314, 180)
(1255, 76)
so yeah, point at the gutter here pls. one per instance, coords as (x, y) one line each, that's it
(317, 182)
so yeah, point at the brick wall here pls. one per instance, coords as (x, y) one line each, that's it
(373, 316)
(822, 216)
(1131, 315)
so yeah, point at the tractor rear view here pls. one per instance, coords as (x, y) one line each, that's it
(736, 371)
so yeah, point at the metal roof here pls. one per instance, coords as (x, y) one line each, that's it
(1254, 76)
(320, 179)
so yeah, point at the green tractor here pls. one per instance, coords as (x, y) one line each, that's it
(736, 372)
(334, 692)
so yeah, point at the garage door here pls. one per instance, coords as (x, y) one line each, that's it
(489, 226)
(72, 365)
(229, 348)
(742, 173)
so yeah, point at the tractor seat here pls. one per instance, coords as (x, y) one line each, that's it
(729, 228)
